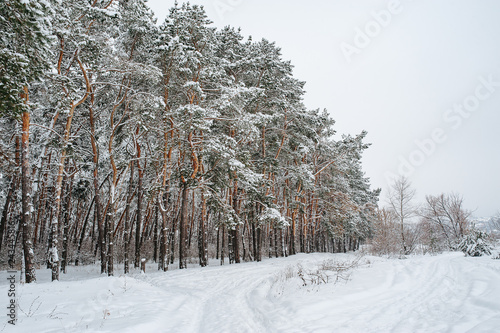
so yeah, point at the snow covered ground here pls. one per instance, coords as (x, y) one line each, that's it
(444, 293)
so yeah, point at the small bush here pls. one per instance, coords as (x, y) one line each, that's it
(475, 244)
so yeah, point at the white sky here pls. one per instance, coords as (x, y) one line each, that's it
(426, 58)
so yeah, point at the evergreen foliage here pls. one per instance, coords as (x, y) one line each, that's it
(162, 137)
(475, 243)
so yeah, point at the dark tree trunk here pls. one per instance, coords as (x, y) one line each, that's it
(172, 240)
(138, 226)
(101, 238)
(126, 227)
(110, 227)
(67, 216)
(202, 234)
(155, 234)
(235, 231)
(29, 255)
(5, 212)
(223, 237)
(292, 235)
(217, 245)
(82, 234)
(254, 241)
(275, 242)
(43, 205)
(75, 230)
(259, 244)
(270, 244)
(191, 224)
(164, 235)
(182, 227)
(230, 247)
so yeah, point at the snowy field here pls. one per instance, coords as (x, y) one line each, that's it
(303, 293)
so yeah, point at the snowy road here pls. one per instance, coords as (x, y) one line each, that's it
(445, 293)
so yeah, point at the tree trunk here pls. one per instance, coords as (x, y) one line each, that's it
(259, 244)
(54, 257)
(253, 221)
(292, 234)
(43, 206)
(217, 245)
(126, 227)
(202, 234)
(164, 234)
(191, 223)
(82, 234)
(97, 201)
(230, 247)
(223, 237)
(29, 255)
(155, 234)
(235, 232)
(172, 240)
(254, 241)
(110, 227)
(138, 226)
(182, 227)
(275, 242)
(67, 216)
(5, 212)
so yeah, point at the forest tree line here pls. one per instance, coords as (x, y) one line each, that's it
(123, 139)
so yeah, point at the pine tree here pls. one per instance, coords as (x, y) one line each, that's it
(145, 134)
(23, 58)
(475, 243)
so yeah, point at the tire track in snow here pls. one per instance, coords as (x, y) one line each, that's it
(445, 293)
(214, 299)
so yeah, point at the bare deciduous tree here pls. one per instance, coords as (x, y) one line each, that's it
(400, 198)
(385, 233)
(446, 213)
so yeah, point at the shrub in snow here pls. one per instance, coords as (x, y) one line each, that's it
(475, 244)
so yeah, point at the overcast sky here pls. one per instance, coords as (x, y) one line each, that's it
(422, 77)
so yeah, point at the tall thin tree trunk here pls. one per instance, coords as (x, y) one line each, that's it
(235, 231)
(43, 206)
(155, 233)
(82, 233)
(164, 236)
(222, 245)
(275, 242)
(217, 245)
(138, 226)
(67, 216)
(202, 234)
(292, 234)
(191, 219)
(54, 256)
(126, 227)
(172, 240)
(5, 212)
(253, 221)
(110, 227)
(29, 255)
(259, 243)
(97, 198)
(230, 247)
(182, 227)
